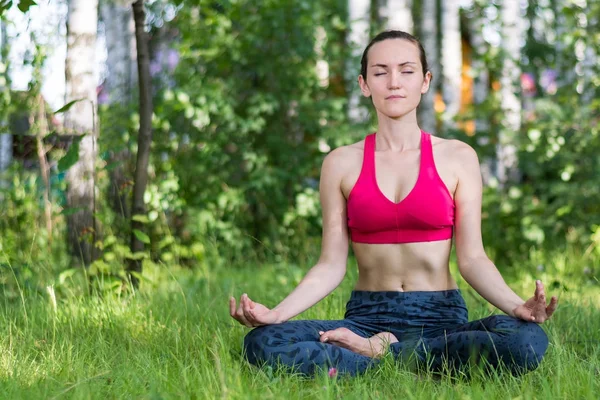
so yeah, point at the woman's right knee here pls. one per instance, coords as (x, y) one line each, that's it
(255, 342)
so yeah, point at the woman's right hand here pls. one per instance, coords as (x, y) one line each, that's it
(251, 314)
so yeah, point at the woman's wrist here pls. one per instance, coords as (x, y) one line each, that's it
(280, 318)
(514, 305)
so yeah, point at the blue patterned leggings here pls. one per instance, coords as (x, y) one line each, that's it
(431, 327)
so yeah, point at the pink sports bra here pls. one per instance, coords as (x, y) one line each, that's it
(426, 214)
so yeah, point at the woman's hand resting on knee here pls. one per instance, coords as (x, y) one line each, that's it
(535, 309)
(252, 314)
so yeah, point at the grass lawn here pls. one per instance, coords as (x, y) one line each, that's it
(175, 339)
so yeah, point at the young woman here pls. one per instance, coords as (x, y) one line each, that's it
(400, 195)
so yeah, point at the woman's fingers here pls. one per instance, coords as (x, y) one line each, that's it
(540, 296)
(247, 310)
(552, 307)
(238, 313)
(232, 306)
(542, 293)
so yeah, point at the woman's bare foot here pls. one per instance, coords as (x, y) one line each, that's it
(373, 347)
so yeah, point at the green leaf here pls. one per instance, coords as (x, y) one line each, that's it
(141, 218)
(5, 5)
(25, 4)
(67, 106)
(63, 276)
(140, 276)
(140, 255)
(141, 236)
(72, 155)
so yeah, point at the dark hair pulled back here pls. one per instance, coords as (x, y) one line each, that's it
(393, 34)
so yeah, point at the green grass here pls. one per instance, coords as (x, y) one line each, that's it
(175, 339)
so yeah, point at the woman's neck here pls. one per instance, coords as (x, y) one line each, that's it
(398, 134)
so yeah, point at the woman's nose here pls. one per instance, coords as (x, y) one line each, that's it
(394, 81)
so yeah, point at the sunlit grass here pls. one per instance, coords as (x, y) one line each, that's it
(175, 339)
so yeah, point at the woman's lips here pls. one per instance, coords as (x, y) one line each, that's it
(395, 96)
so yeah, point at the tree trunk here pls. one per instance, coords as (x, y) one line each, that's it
(429, 34)
(120, 50)
(589, 63)
(5, 157)
(397, 14)
(565, 72)
(358, 39)
(119, 86)
(5, 135)
(144, 137)
(82, 23)
(451, 60)
(481, 83)
(506, 152)
(41, 131)
(5, 151)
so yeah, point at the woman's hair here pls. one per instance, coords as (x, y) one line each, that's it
(392, 35)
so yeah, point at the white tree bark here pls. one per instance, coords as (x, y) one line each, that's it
(429, 29)
(397, 14)
(120, 84)
(451, 60)
(512, 33)
(117, 17)
(588, 61)
(566, 73)
(589, 64)
(5, 136)
(5, 150)
(358, 39)
(82, 24)
(480, 89)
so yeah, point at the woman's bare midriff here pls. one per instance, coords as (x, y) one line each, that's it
(404, 267)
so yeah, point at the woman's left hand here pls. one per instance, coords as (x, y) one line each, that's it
(535, 309)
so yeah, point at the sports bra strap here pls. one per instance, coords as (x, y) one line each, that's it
(369, 154)
(426, 151)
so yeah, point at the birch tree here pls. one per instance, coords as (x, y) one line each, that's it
(121, 80)
(481, 90)
(358, 39)
(451, 61)
(506, 152)
(429, 34)
(80, 119)
(587, 54)
(119, 27)
(397, 14)
(5, 136)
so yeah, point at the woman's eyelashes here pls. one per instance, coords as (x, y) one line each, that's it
(384, 73)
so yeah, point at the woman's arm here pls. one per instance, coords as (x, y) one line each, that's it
(474, 265)
(329, 270)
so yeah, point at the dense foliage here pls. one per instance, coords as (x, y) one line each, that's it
(243, 120)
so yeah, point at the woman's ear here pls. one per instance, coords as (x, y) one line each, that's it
(364, 88)
(426, 82)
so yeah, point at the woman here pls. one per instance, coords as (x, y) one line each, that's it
(400, 196)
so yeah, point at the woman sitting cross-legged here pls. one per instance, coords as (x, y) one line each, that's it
(400, 196)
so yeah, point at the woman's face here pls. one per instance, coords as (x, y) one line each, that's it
(394, 78)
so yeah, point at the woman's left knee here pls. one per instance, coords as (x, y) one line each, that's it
(531, 342)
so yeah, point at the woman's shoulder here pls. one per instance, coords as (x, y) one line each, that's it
(343, 154)
(344, 159)
(453, 150)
